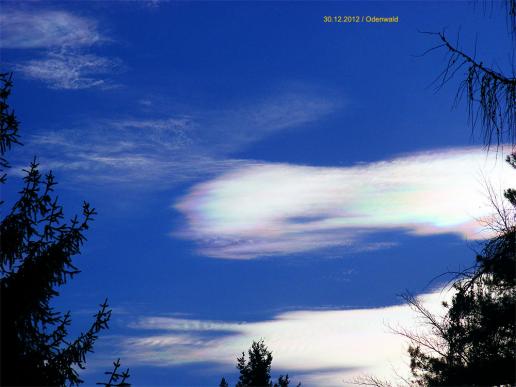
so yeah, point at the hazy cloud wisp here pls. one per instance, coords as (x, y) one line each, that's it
(46, 29)
(159, 152)
(66, 40)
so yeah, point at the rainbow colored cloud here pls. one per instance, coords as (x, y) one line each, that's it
(277, 209)
(317, 347)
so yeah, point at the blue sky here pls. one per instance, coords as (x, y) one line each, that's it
(257, 174)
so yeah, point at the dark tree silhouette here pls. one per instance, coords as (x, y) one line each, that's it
(283, 381)
(36, 257)
(116, 378)
(510, 193)
(490, 94)
(256, 370)
(8, 125)
(475, 342)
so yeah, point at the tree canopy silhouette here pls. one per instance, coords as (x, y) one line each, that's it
(37, 247)
(475, 342)
(255, 371)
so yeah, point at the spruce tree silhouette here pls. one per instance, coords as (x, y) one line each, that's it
(116, 378)
(256, 371)
(36, 257)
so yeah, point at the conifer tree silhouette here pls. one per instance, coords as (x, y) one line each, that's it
(116, 378)
(37, 247)
(255, 371)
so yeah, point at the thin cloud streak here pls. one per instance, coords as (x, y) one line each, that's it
(150, 154)
(317, 347)
(70, 71)
(246, 124)
(156, 153)
(66, 39)
(46, 29)
(278, 209)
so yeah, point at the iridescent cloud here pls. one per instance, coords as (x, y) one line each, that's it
(317, 347)
(276, 209)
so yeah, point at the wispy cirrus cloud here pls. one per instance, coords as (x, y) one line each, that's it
(46, 29)
(65, 39)
(69, 71)
(159, 152)
(245, 124)
(277, 209)
(317, 347)
(117, 154)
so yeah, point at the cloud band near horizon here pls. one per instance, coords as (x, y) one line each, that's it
(316, 347)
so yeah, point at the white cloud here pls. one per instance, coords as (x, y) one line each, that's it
(245, 124)
(65, 39)
(46, 29)
(276, 209)
(159, 152)
(317, 347)
(69, 70)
